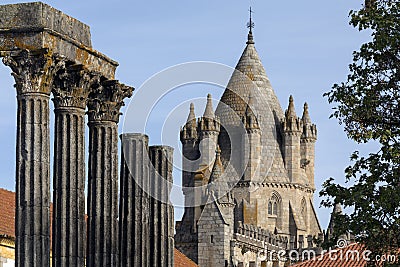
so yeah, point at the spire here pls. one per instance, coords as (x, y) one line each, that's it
(189, 130)
(217, 168)
(291, 112)
(337, 210)
(306, 116)
(291, 123)
(309, 129)
(250, 25)
(209, 111)
(266, 106)
(192, 116)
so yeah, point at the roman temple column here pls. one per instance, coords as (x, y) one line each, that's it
(70, 91)
(161, 209)
(33, 73)
(104, 104)
(134, 216)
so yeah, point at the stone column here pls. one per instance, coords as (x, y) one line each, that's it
(70, 90)
(134, 202)
(104, 106)
(33, 72)
(161, 209)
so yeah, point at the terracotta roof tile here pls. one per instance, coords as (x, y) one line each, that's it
(7, 211)
(7, 218)
(182, 261)
(341, 257)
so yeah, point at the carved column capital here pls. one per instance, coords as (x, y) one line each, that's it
(106, 100)
(33, 70)
(71, 87)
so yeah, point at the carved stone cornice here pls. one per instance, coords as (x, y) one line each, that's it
(106, 100)
(33, 70)
(71, 87)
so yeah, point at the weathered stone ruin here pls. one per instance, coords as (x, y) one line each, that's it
(51, 56)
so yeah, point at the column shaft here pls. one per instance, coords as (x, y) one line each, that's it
(33, 72)
(32, 221)
(161, 209)
(134, 202)
(103, 194)
(69, 227)
(104, 104)
(70, 90)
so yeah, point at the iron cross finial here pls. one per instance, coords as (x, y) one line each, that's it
(250, 24)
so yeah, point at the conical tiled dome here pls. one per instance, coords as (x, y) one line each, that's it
(250, 78)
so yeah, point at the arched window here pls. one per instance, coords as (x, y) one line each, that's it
(274, 204)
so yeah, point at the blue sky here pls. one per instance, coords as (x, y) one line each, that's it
(305, 47)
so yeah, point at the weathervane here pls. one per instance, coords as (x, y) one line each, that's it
(250, 24)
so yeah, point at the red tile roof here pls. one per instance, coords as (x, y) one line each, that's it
(353, 255)
(182, 261)
(7, 225)
(7, 213)
(333, 258)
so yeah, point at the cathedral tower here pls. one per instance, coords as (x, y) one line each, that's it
(266, 157)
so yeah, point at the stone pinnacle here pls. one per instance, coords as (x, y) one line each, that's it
(209, 111)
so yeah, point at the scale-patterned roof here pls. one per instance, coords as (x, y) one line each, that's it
(249, 80)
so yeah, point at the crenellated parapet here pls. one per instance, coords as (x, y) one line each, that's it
(259, 238)
(208, 124)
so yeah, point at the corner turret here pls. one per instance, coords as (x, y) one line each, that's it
(251, 143)
(307, 146)
(190, 153)
(209, 128)
(292, 128)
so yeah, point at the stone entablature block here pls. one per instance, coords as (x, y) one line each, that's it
(36, 26)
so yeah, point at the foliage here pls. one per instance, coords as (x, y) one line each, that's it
(367, 105)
